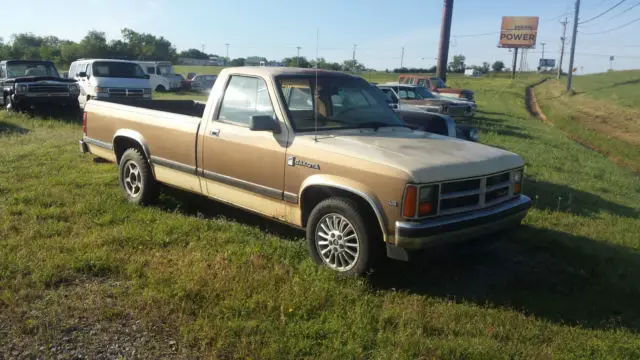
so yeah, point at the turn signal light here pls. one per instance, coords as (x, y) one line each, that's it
(425, 209)
(84, 123)
(410, 199)
(516, 188)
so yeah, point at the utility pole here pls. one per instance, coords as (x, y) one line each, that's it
(402, 57)
(445, 36)
(573, 44)
(298, 57)
(543, 44)
(228, 52)
(354, 52)
(563, 38)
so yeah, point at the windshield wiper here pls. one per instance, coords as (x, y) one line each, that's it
(377, 124)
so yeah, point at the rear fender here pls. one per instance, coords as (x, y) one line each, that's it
(134, 136)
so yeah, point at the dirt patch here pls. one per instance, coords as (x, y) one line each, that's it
(594, 123)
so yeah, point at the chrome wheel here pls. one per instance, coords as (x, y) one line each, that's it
(132, 179)
(337, 242)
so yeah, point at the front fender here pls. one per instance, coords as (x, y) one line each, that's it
(352, 186)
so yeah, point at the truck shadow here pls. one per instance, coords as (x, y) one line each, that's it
(11, 129)
(554, 197)
(188, 204)
(548, 274)
(60, 114)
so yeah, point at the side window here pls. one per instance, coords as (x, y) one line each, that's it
(151, 70)
(390, 96)
(408, 94)
(243, 98)
(423, 82)
(72, 68)
(2, 72)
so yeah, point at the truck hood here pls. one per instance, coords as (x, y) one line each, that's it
(109, 82)
(426, 157)
(32, 79)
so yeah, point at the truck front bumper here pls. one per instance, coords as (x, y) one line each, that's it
(418, 235)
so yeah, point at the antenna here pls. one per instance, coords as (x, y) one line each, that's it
(315, 102)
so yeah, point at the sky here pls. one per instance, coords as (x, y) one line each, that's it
(378, 29)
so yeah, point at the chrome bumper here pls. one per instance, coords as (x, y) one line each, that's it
(416, 235)
(83, 147)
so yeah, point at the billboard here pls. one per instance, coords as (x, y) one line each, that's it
(518, 32)
(547, 62)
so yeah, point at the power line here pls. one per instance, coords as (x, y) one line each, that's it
(476, 35)
(625, 11)
(614, 29)
(603, 13)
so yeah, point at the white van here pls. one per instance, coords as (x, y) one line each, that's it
(109, 78)
(161, 75)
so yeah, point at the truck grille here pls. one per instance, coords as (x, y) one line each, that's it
(456, 110)
(128, 93)
(472, 194)
(47, 88)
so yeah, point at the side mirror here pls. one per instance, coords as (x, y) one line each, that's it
(393, 105)
(264, 123)
(82, 74)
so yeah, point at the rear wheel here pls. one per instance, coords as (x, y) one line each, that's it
(338, 237)
(136, 178)
(10, 105)
(160, 88)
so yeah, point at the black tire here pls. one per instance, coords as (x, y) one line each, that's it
(160, 88)
(143, 190)
(367, 233)
(9, 105)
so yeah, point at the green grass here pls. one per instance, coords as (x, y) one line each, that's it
(79, 265)
(617, 87)
(605, 125)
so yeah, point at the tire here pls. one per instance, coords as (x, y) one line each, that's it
(9, 105)
(136, 178)
(160, 88)
(344, 253)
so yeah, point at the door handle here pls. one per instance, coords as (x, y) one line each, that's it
(214, 132)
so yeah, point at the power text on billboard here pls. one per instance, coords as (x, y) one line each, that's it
(518, 31)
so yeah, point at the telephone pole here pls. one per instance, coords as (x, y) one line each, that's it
(573, 45)
(563, 38)
(227, 51)
(354, 52)
(543, 44)
(445, 36)
(402, 57)
(298, 57)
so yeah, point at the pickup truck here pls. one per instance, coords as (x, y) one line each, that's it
(31, 83)
(316, 149)
(437, 86)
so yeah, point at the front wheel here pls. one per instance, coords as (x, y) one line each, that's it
(338, 237)
(136, 178)
(160, 88)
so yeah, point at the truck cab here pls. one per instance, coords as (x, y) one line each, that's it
(161, 75)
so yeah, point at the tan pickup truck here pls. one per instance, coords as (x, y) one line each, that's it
(319, 151)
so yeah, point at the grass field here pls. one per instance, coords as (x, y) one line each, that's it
(605, 112)
(84, 273)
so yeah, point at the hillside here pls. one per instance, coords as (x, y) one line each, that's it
(618, 87)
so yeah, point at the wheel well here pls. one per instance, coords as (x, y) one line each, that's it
(122, 143)
(313, 195)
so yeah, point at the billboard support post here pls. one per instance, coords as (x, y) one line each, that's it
(515, 61)
(445, 32)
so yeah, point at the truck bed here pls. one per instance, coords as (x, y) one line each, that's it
(183, 107)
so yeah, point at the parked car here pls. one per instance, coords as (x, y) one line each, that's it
(436, 85)
(434, 122)
(354, 176)
(109, 79)
(420, 97)
(161, 75)
(35, 83)
(203, 83)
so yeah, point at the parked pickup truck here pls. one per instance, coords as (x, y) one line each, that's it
(436, 85)
(28, 83)
(320, 151)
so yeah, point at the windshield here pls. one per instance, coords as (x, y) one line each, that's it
(438, 83)
(165, 70)
(343, 103)
(117, 70)
(29, 69)
(426, 94)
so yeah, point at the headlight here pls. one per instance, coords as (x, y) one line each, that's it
(21, 88)
(420, 201)
(517, 181)
(74, 89)
(442, 108)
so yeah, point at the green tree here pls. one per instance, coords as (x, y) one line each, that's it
(457, 65)
(497, 66)
(238, 62)
(295, 61)
(193, 54)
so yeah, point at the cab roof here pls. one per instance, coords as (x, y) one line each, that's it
(272, 71)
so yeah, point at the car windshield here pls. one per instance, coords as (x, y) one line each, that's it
(426, 94)
(343, 103)
(31, 68)
(438, 83)
(115, 69)
(165, 69)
